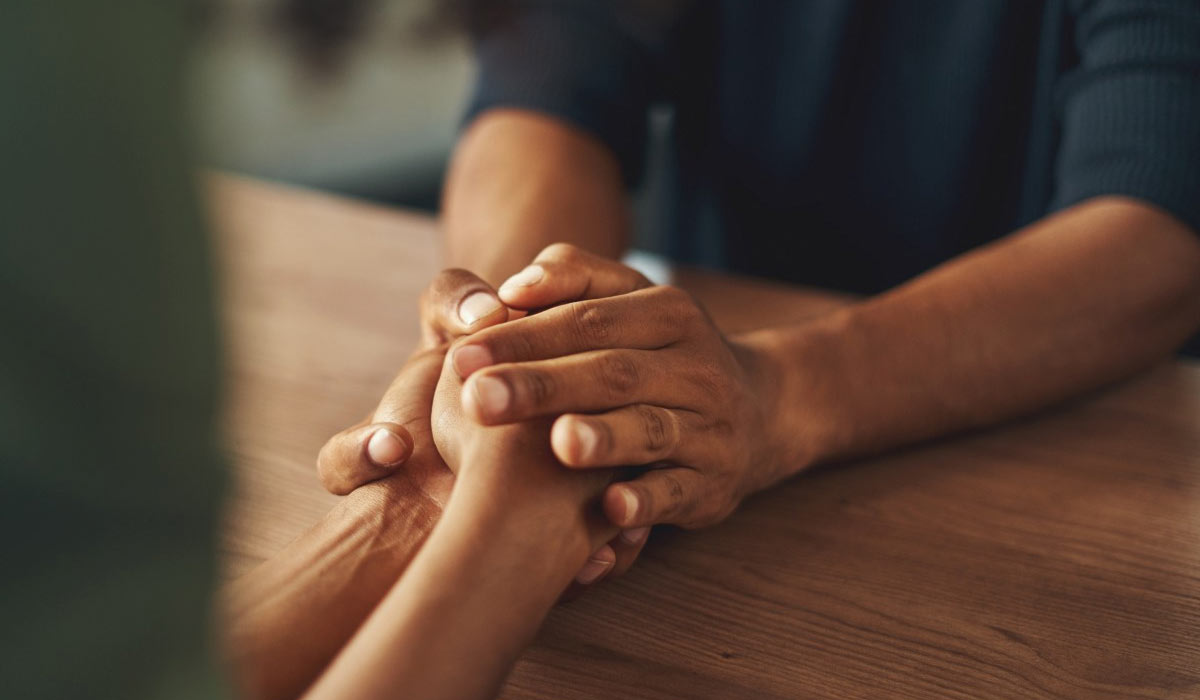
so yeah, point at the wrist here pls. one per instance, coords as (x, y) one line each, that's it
(544, 536)
(797, 375)
(392, 513)
(520, 181)
(513, 484)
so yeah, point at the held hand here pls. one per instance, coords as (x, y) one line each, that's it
(398, 433)
(516, 467)
(640, 378)
(455, 303)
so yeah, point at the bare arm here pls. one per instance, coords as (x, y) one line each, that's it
(1068, 304)
(520, 181)
(1073, 302)
(288, 618)
(515, 532)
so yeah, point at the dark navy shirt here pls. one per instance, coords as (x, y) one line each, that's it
(855, 144)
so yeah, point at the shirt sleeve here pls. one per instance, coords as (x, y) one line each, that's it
(595, 64)
(1131, 109)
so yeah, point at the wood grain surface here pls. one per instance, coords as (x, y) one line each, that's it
(1055, 557)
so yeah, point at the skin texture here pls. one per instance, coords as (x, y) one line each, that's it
(346, 461)
(517, 521)
(527, 180)
(287, 619)
(520, 181)
(643, 377)
(517, 529)
(1068, 304)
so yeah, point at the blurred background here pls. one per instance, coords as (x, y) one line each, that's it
(361, 98)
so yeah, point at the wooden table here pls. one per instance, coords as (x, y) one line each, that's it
(1056, 557)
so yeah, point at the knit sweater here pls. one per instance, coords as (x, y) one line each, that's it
(855, 144)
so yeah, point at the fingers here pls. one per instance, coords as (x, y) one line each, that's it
(672, 495)
(562, 273)
(373, 450)
(627, 546)
(361, 454)
(597, 565)
(647, 319)
(587, 381)
(624, 550)
(457, 303)
(637, 434)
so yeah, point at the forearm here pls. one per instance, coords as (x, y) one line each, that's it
(1068, 304)
(520, 181)
(288, 618)
(475, 595)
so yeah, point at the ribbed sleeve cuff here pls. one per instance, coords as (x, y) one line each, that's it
(1131, 112)
(1152, 155)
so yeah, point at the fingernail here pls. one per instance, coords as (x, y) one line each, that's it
(525, 278)
(585, 439)
(593, 570)
(470, 358)
(631, 504)
(384, 448)
(492, 395)
(635, 535)
(477, 306)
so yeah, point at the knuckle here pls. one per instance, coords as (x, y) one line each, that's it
(682, 504)
(560, 251)
(618, 373)
(655, 429)
(687, 307)
(593, 324)
(538, 387)
(674, 297)
(511, 346)
(676, 494)
(677, 308)
(448, 282)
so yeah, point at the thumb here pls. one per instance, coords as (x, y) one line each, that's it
(458, 303)
(361, 454)
(669, 495)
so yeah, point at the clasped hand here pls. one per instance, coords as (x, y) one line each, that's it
(626, 374)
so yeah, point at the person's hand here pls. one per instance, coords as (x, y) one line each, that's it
(641, 378)
(456, 303)
(399, 432)
(516, 469)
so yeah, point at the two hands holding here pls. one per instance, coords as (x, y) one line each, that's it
(543, 426)
(577, 377)
(521, 453)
